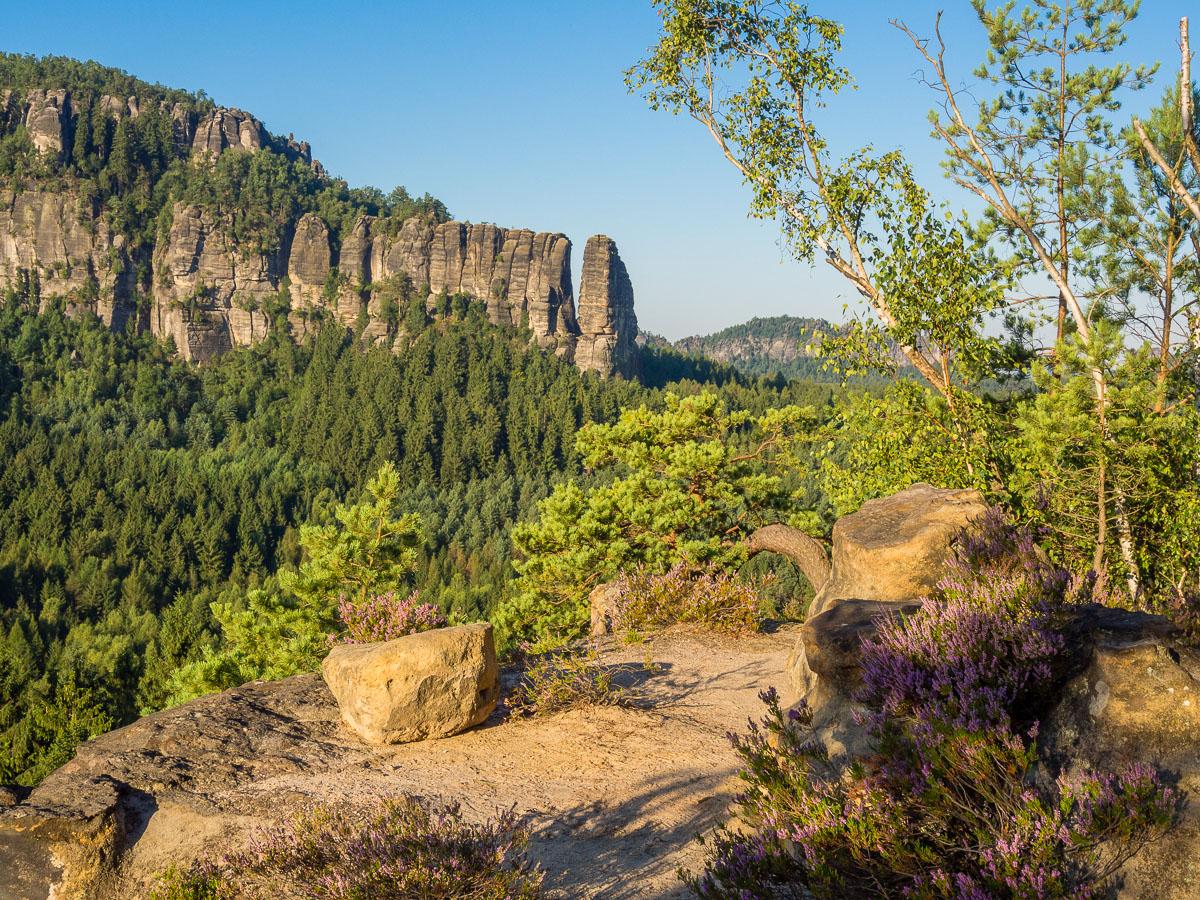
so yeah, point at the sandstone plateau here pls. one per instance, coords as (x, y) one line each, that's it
(615, 796)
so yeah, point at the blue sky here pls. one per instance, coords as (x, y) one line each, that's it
(516, 113)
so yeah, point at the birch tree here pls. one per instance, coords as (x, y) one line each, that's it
(756, 75)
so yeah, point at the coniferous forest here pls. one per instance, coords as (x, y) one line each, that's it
(138, 489)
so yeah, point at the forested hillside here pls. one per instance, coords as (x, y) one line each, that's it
(785, 346)
(137, 489)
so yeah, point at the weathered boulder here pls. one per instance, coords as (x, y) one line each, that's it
(1133, 696)
(893, 550)
(896, 548)
(831, 671)
(833, 640)
(62, 841)
(427, 685)
(602, 602)
(1125, 689)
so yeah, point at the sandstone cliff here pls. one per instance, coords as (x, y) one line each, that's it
(211, 292)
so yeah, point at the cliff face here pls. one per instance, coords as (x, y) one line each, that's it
(211, 293)
(606, 319)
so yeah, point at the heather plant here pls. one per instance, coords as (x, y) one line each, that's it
(951, 815)
(946, 807)
(384, 617)
(403, 850)
(707, 595)
(574, 679)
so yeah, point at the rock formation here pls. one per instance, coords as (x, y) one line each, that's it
(607, 323)
(896, 548)
(1125, 686)
(615, 796)
(893, 550)
(208, 291)
(1127, 691)
(228, 129)
(427, 685)
(47, 120)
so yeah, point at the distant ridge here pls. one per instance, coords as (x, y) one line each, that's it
(775, 345)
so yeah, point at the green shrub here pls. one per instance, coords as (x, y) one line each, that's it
(708, 596)
(574, 679)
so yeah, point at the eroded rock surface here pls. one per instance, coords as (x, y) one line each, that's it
(428, 685)
(615, 796)
(893, 550)
(1125, 690)
(607, 323)
(1134, 697)
(209, 289)
(896, 548)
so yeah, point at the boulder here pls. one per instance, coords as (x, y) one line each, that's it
(1133, 696)
(603, 603)
(61, 842)
(427, 685)
(833, 640)
(1126, 689)
(825, 668)
(896, 548)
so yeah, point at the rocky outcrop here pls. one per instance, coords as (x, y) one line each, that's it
(521, 275)
(228, 129)
(828, 648)
(428, 685)
(54, 239)
(1127, 690)
(896, 548)
(63, 844)
(47, 120)
(615, 796)
(607, 322)
(209, 293)
(893, 550)
(1134, 695)
(155, 781)
(208, 290)
(309, 261)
